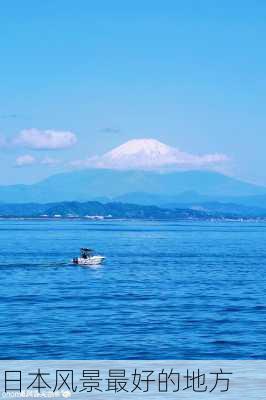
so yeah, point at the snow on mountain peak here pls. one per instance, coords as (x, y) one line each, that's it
(135, 146)
(150, 154)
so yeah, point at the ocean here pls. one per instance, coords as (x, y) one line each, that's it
(168, 290)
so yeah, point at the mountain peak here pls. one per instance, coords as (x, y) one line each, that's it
(148, 146)
(151, 154)
(144, 153)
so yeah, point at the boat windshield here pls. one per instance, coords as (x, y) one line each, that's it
(85, 253)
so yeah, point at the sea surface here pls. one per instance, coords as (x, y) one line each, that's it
(167, 290)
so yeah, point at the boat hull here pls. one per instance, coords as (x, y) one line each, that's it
(94, 260)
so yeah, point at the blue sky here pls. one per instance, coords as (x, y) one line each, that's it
(191, 74)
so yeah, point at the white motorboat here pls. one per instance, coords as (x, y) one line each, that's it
(88, 258)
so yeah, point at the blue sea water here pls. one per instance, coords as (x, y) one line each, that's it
(167, 290)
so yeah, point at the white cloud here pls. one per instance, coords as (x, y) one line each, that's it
(37, 139)
(150, 154)
(49, 161)
(25, 160)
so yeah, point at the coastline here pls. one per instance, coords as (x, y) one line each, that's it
(80, 218)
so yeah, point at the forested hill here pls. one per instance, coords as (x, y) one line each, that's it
(93, 209)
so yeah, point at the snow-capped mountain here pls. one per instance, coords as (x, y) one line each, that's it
(139, 153)
(151, 154)
(132, 171)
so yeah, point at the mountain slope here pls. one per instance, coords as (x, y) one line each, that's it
(94, 183)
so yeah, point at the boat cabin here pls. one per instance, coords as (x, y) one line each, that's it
(85, 253)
